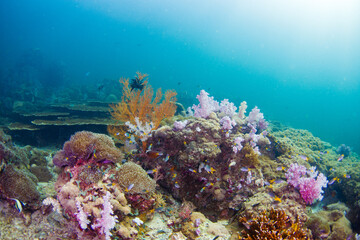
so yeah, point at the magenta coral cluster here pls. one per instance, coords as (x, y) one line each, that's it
(309, 182)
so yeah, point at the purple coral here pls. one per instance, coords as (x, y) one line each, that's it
(309, 187)
(228, 108)
(227, 123)
(108, 220)
(294, 173)
(82, 216)
(206, 105)
(179, 125)
(237, 144)
(256, 120)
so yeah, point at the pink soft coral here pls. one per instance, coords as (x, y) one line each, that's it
(311, 189)
(309, 182)
(294, 173)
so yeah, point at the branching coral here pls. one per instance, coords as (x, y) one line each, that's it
(141, 105)
(272, 225)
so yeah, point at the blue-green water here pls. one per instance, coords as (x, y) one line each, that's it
(298, 61)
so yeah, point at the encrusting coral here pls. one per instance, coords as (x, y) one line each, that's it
(140, 106)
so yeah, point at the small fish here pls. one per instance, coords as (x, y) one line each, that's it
(333, 180)
(192, 170)
(105, 161)
(244, 169)
(271, 194)
(280, 168)
(346, 176)
(277, 199)
(341, 158)
(166, 158)
(150, 147)
(153, 154)
(232, 164)
(129, 187)
(18, 204)
(177, 185)
(278, 181)
(303, 157)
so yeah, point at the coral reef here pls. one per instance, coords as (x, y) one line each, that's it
(215, 168)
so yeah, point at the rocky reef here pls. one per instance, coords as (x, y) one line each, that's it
(213, 173)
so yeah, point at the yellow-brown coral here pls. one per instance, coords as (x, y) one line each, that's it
(272, 225)
(83, 145)
(141, 104)
(131, 174)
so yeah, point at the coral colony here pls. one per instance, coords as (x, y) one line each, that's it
(209, 158)
(219, 162)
